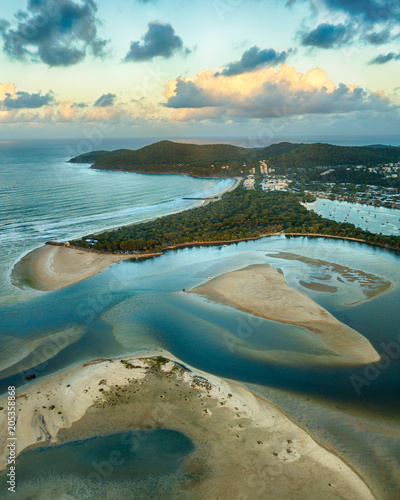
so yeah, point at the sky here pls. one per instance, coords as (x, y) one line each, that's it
(261, 69)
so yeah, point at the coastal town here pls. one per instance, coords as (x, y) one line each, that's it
(318, 184)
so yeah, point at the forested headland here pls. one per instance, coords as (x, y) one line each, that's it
(240, 214)
(225, 160)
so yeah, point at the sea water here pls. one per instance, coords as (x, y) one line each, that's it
(43, 197)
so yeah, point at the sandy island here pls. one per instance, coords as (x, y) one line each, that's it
(245, 446)
(53, 267)
(262, 291)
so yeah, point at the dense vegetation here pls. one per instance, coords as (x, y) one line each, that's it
(325, 155)
(172, 157)
(240, 214)
(209, 160)
(97, 155)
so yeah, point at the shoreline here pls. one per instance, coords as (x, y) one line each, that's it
(105, 396)
(47, 270)
(23, 270)
(215, 197)
(52, 267)
(262, 291)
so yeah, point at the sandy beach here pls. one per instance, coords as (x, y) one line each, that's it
(53, 267)
(262, 291)
(245, 446)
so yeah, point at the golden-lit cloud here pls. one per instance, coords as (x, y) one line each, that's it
(268, 92)
(22, 107)
(7, 89)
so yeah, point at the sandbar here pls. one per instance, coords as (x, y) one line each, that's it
(245, 446)
(262, 291)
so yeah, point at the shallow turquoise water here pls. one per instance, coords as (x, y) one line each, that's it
(129, 461)
(136, 306)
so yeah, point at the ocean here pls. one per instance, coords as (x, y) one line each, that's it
(42, 197)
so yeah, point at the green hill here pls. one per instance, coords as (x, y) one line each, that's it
(97, 155)
(172, 157)
(225, 160)
(313, 155)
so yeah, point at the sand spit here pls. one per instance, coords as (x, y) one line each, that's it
(262, 291)
(53, 267)
(246, 447)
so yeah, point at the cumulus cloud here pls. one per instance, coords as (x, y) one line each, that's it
(24, 100)
(385, 58)
(327, 36)
(39, 108)
(373, 22)
(160, 40)
(10, 99)
(56, 33)
(105, 100)
(267, 93)
(253, 59)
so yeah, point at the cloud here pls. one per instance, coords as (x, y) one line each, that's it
(105, 100)
(385, 58)
(253, 59)
(24, 100)
(374, 22)
(267, 93)
(370, 11)
(57, 33)
(18, 107)
(160, 40)
(327, 36)
(378, 37)
(10, 99)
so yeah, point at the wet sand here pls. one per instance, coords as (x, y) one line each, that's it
(245, 446)
(53, 267)
(262, 291)
(318, 287)
(371, 285)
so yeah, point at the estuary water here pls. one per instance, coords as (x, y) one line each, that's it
(375, 219)
(140, 306)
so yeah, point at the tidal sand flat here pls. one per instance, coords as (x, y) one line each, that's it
(20, 354)
(244, 447)
(262, 291)
(53, 267)
(370, 284)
